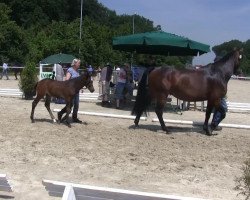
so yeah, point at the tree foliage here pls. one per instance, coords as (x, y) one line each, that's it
(32, 30)
(226, 47)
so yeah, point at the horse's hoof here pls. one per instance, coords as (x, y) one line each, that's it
(136, 125)
(209, 132)
(166, 130)
(59, 116)
(54, 120)
(32, 121)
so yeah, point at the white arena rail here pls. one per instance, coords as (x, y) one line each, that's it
(10, 92)
(184, 122)
(92, 97)
(18, 93)
(70, 191)
(106, 115)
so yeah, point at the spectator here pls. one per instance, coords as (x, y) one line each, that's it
(5, 71)
(90, 69)
(123, 82)
(59, 77)
(59, 72)
(104, 84)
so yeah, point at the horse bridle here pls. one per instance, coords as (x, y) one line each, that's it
(87, 84)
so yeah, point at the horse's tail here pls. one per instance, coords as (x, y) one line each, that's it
(34, 89)
(143, 99)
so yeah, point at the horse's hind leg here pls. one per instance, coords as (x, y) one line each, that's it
(68, 111)
(159, 112)
(206, 128)
(47, 105)
(34, 103)
(137, 118)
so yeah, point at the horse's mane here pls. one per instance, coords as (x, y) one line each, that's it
(225, 58)
(214, 66)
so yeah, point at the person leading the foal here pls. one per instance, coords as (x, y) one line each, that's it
(73, 72)
(219, 115)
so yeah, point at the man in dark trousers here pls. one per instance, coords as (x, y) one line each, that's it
(104, 84)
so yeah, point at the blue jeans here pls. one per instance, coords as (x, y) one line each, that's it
(5, 73)
(75, 104)
(120, 88)
(220, 113)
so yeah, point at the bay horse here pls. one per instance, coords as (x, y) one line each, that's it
(61, 89)
(207, 83)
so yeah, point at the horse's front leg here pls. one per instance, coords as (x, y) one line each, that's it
(206, 128)
(47, 105)
(159, 112)
(68, 111)
(60, 114)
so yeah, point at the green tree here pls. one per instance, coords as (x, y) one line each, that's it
(226, 47)
(12, 46)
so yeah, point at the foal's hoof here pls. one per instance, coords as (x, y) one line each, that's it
(54, 120)
(59, 116)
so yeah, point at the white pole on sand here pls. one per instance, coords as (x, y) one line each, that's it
(183, 122)
(106, 115)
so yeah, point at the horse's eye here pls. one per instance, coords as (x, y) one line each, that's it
(240, 56)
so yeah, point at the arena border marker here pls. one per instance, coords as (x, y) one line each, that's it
(71, 191)
(184, 122)
(106, 115)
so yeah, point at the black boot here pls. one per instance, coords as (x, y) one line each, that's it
(75, 119)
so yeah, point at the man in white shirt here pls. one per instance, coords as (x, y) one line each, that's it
(5, 71)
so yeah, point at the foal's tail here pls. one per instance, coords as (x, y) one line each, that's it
(34, 89)
(143, 98)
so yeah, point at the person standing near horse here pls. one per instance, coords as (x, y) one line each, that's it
(104, 82)
(59, 77)
(59, 72)
(5, 71)
(122, 83)
(219, 115)
(73, 72)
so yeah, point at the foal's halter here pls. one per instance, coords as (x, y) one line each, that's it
(88, 83)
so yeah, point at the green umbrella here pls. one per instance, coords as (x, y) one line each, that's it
(58, 58)
(159, 43)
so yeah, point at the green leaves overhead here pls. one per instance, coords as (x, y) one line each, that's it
(33, 30)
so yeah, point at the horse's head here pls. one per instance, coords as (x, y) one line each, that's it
(237, 58)
(89, 82)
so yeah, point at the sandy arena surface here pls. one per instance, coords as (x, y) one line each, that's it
(109, 152)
